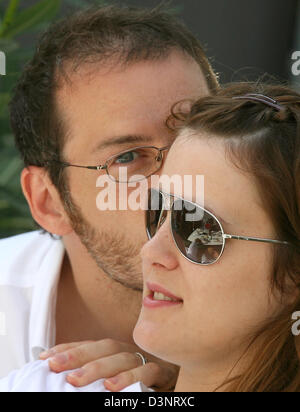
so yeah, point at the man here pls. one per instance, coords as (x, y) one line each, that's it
(100, 83)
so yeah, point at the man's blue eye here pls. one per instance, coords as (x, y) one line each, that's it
(126, 157)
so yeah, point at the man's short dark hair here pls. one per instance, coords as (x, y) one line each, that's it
(94, 35)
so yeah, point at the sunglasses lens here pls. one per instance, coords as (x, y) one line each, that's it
(197, 233)
(154, 214)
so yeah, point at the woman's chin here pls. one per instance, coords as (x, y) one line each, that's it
(152, 339)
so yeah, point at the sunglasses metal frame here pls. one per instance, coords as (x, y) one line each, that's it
(105, 166)
(224, 235)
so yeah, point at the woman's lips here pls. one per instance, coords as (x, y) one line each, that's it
(150, 302)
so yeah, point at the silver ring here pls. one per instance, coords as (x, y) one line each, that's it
(141, 356)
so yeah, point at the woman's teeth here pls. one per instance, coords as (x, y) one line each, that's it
(161, 296)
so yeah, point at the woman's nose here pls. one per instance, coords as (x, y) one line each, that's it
(161, 250)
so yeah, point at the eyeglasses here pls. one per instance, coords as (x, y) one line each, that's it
(197, 233)
(140, 163)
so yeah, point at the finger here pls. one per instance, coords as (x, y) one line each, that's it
(150, 374)
(61, 348)
(81, 355)
(107, 367)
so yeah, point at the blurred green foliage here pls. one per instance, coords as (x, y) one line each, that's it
(15, 21)
(19, 21)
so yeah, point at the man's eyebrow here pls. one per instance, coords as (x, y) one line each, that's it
(123, 140)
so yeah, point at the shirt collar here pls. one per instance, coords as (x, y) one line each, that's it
(42, 329)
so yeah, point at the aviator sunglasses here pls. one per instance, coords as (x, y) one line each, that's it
(197, 233)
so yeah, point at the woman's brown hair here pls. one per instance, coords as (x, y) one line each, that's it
(264, 141)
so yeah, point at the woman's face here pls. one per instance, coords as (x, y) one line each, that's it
(221, 303)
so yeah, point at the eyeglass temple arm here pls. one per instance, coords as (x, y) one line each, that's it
(254, 239)
(101, 167)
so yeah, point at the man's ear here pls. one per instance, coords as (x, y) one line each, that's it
(44, 201)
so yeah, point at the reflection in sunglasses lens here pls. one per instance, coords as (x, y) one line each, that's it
(200, 240)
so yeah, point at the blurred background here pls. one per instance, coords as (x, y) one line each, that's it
(244, 40)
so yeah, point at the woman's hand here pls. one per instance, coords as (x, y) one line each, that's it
(114, 361)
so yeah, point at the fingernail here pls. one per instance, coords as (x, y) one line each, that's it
(77, 374)
(47, 353)
(59, 359)
(113, 381)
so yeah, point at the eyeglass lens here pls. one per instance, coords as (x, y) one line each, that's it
(136, 164)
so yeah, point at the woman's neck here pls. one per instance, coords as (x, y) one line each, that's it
(210, 377)
(196, 381)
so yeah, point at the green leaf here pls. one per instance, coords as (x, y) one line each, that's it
(9, 15)
(43, 10)
(4, 99)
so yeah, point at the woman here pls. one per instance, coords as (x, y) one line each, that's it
(228, 322)
(224, 314)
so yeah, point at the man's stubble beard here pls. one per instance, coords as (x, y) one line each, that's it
(117, 256)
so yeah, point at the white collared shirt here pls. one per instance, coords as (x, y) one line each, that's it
(36, 377)
(29, 274)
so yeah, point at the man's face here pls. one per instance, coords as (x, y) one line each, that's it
(99, 108)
